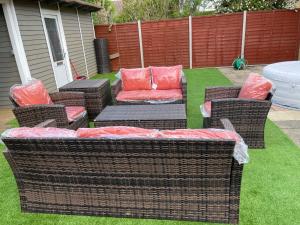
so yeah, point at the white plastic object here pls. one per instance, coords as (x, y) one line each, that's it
(286, 78)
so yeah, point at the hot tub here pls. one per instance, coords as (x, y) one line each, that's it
(286, 78)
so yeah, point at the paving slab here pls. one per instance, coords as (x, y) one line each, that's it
(293, 134)
(288, 124)
(287, 119)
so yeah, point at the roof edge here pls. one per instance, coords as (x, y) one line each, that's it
(79, 4)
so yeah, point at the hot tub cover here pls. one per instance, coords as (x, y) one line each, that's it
(286, 78)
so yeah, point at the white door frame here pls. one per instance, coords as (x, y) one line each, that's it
(62, 39)
(16, 40)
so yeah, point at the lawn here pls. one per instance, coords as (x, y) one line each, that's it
(270, 187)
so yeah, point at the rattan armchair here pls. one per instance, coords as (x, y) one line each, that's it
(117, 87)
(247, 116)
(30, 116)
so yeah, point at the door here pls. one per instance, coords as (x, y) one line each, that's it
(57, 49)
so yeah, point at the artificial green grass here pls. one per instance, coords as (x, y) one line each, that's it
(270, 187)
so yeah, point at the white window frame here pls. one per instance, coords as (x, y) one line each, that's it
(16, 40)
(62, 37)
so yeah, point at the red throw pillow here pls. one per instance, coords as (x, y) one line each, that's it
(39, 132)
(74, 112)
(166, 77)
(206, 109)
(115, 132)
(136, 79)
(33, 93)
(255, 87)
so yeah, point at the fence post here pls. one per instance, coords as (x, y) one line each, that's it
(190, 42)
(141, 43)
(244, 34)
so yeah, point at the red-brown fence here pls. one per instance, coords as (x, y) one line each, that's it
(271, 36)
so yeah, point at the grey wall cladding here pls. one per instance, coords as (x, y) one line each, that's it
(34, 40)
(9, 74)
(88, 39)
(73, 39)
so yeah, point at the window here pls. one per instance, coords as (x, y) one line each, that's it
(53, 36)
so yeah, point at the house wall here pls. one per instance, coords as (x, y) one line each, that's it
(88, 35)
(35, 44)
(34, 41)
(9, 74)
(74, 43)
(73, 38)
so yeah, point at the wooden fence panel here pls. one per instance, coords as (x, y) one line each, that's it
(122, 39)
(271, 36)
(166, 42)
(216, 39)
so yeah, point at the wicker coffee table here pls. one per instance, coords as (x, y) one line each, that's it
(97, 94)
(167, 116)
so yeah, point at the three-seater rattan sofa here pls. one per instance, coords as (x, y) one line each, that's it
(182, 179)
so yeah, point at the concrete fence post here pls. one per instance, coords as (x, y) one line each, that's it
(244, 34)
(190, 42)
(141, 43)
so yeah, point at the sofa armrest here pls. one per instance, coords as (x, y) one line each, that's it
(116, 87)
(47, 123)
(30, 116)
(68, 98)
(184, 89)
(221, 92)
(227, 124)
(236, 107)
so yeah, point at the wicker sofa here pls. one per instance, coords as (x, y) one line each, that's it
(30, 116)
(117, 87)
(248, 116)
(179, 179)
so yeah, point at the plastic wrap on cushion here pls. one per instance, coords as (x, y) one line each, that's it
(32, 93)
(150, 95)
(164, 78)
(206, 109)
(161, 101)
(256, 87)
(75, 112)
(38, 132)
(240, 150)
(116, 132)
(136, 79)
(118, 75)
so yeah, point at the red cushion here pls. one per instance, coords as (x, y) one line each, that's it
(207, 108)
(206, 134)
(74, 112)
(38, 132)
(33, 93)
(136, 79)
(166, 77)
(255, 87)
(115, 132)
(165, 95)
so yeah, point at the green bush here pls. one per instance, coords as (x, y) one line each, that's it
(227, 6)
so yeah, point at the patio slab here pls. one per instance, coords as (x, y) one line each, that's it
(287, 119)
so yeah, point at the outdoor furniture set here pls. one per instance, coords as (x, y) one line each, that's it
(152, 168)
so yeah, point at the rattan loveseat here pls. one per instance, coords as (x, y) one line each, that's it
(117, 87)
(30, 116)
(248, 116)
(179, 179)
